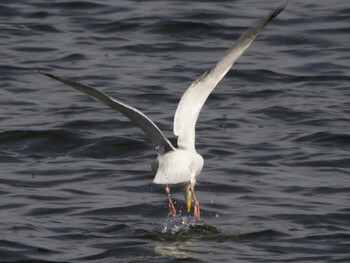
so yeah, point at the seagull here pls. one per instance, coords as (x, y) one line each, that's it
(182, 165)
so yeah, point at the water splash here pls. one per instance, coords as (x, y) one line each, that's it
(178, 224)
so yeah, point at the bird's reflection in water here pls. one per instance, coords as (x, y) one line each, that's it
(177, 250)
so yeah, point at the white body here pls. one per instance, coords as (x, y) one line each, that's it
(177, 167)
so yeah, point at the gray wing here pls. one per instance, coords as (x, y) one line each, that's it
(195, 96)
(159, 141)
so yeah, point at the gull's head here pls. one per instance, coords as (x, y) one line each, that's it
(188, 196)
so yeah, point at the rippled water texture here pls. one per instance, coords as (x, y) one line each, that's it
(75, 181)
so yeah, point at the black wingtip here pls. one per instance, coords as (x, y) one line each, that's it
(44, 73)
(38, 71)
(276, 11)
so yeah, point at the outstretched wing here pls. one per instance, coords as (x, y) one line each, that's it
(159, 141)
(195, 96)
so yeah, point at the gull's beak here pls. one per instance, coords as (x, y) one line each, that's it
(188, 197)
(188, 202)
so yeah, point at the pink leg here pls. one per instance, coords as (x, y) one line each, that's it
(171, 204)
(197, 211)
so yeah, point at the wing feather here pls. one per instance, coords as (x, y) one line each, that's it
(195, 96)
(159, 141)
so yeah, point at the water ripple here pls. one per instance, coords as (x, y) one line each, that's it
(75, 180)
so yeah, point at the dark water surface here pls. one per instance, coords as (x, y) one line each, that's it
(75, 181)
